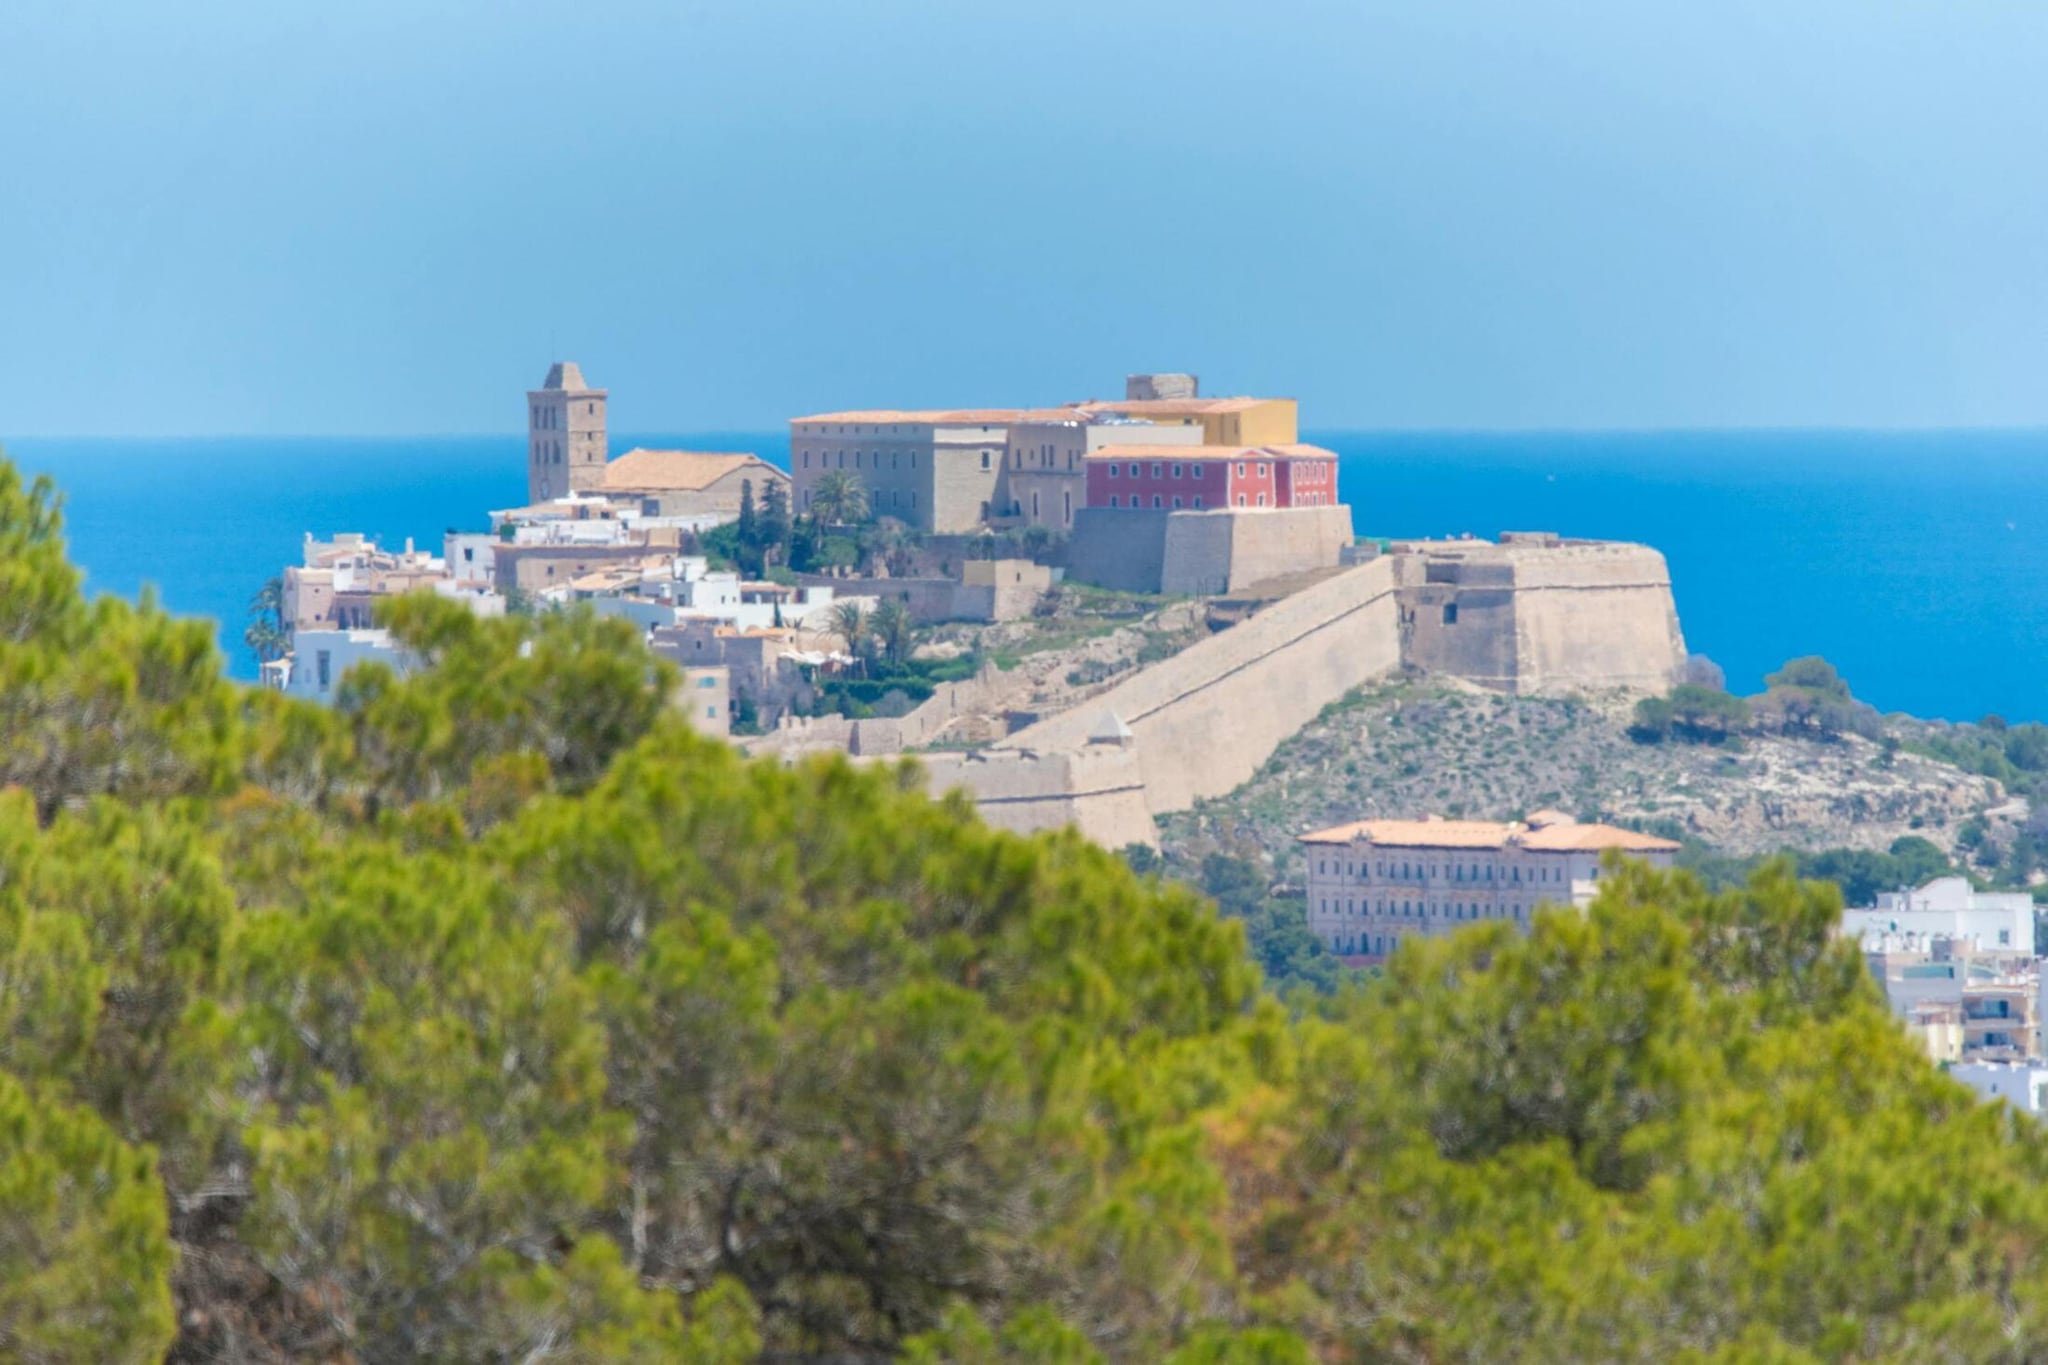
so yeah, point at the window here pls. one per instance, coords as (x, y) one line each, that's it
(1034, 504)
(1155, 500)
(1240, 469)
(984, 459)
(1176, 471)
(1112, 499)
(1069, 514)
(1198, 499)
(1198, 471)
(1156, 470)
(707, 682)
(1176, 500)
(710, 713)
(1262, 469)
(1450, 613)
(1116, 471)
(322, 662)
(1134, 471)
(807, 459)
(1262, 499)
(1240, 499)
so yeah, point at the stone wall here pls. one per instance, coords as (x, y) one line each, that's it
(1099, 788)
(987, 693)
(1118, 548)
(1541, 616)
(1225, 549)
(1203, 553)
(1206, 719)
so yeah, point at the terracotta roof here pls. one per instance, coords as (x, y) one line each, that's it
(686, 471)
(1588, 838)
(1154, 452)
(939, 416)
(1567, 838)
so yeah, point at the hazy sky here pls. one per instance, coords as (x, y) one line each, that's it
(386, 216)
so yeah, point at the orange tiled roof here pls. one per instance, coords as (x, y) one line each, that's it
(1559, 838)
(683, 471)
(1590, 838)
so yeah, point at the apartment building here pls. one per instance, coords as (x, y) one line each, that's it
(1373, 883)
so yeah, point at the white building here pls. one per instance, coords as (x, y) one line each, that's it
(1946, 908)
(2023, 1085)
(1374, 883)
(320, 659)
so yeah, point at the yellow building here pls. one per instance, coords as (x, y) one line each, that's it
(1224, 421)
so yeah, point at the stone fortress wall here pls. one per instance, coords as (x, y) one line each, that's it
(1533, 614)
(1203, 721)
(1202, 552)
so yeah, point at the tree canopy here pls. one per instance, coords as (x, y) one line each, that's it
(492, 1015)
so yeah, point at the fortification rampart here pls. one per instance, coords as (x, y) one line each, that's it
(971, 698)
(1538, 614)
(1533, 614)
(1202, 553)
(1206, 719)
(1100, 788)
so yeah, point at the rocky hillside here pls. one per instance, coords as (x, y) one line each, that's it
(1428, 746)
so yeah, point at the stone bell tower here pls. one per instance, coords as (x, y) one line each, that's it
(565, 436)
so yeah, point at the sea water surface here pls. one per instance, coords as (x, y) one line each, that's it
(1912, 561)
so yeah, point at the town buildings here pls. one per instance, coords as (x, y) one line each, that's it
(1947, 908)
(2023, 1085)
(1959, 967)
(1373, 883)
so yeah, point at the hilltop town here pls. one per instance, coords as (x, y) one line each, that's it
(1149, 619)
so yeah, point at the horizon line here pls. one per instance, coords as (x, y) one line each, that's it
(517, 434)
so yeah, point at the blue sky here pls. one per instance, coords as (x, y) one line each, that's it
(386, 216)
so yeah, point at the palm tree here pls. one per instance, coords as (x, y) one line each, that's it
(837, 499)
(267, 634)
(890, 625)
(850, 624)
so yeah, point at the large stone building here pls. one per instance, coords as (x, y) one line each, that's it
(955, 470)
(565, 435)
(1373, 883)
(1045, 471)
(936, 470)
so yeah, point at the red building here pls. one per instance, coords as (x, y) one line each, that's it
(1170, 478)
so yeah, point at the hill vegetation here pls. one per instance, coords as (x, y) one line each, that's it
(490, 1015)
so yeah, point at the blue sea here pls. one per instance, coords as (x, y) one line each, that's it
(1913, 561)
